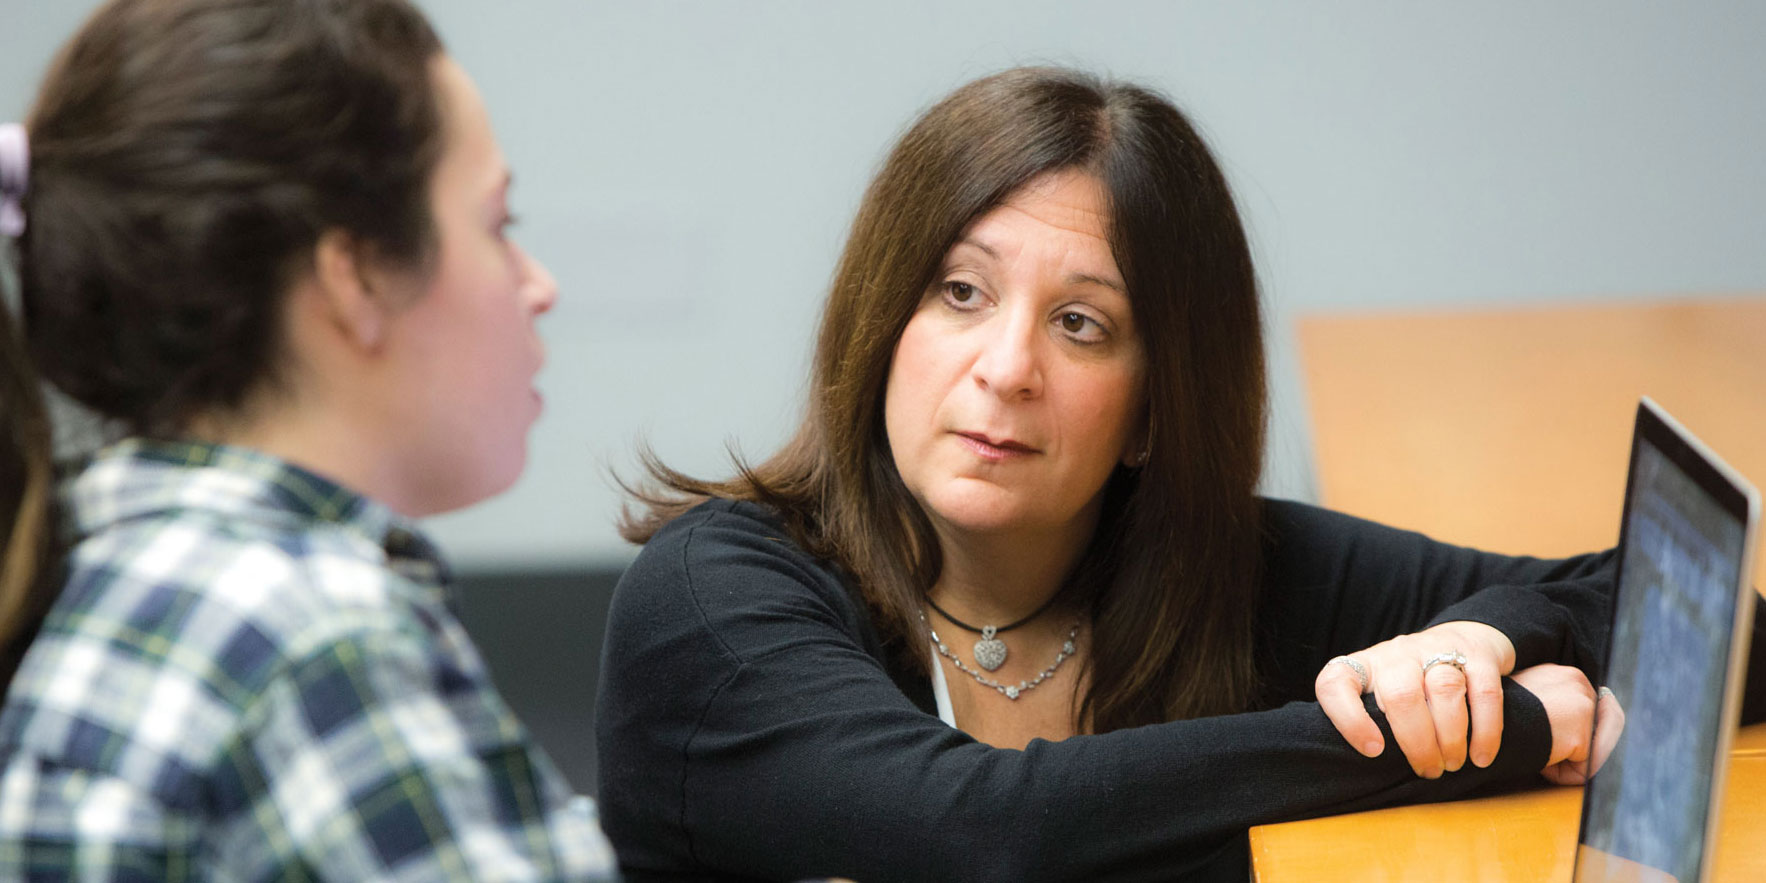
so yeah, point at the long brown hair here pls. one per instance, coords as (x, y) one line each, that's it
(1171, 575)
(28, 540)
(186, 156)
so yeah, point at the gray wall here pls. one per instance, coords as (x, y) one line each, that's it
(688, 169)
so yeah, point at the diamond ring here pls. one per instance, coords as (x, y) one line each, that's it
(1451, 657)
(1354, 665)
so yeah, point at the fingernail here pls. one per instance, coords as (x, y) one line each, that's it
(1371, 749)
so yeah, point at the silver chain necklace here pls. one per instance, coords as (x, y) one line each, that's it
(990, 652)
(1010, 691)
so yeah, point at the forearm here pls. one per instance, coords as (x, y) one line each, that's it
(1552, 611)
(884, 795)
(1337, 584)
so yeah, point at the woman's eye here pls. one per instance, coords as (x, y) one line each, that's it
(961, 296)
(1081, 327)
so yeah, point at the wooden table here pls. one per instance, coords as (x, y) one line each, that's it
(1527, 836)
(1509, 429)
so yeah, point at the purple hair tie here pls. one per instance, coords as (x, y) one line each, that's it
(15, 178)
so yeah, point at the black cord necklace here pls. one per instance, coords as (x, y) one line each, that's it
(990, 651)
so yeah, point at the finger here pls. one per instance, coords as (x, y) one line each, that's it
(1484, 699)
(1400, 690)
(1577, 737)
(1582, 725)
(1564, 774)
(1339, 694)
(1575, 768)
(1609, 724)
(1578, 766)
(1445, 687)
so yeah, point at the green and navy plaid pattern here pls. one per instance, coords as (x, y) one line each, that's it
(252, 675)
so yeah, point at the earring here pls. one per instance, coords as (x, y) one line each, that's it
(1140, 458)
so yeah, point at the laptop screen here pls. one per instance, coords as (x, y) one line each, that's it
(1683, 540)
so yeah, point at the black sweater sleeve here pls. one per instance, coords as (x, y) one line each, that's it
(1336, 584)
(748, 728)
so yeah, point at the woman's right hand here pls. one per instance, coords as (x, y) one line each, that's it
(1576, 712)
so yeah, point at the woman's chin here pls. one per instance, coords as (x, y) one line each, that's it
(983, 512)
(469, 484)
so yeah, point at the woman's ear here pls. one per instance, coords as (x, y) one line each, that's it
(1139, 448)
(352, 295)
(1136, 456)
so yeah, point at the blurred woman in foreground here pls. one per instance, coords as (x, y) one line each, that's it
(267, 239)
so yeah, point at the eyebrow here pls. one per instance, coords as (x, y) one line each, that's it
(1087, 278)
(1074, 279)
(970, 240)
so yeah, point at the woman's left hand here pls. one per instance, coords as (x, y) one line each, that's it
(1429, 712)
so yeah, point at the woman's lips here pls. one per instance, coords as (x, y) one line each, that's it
(994, 450)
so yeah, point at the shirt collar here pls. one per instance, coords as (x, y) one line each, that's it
(139, 477)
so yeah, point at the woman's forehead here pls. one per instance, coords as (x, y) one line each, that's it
(470, 156)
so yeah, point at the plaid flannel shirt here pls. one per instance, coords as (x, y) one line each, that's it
(251, 674)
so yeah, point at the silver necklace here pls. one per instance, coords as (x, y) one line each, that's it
(1010, 691)
(990, 651)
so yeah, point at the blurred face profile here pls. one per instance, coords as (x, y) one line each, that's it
(465, 346)
(1016, 387)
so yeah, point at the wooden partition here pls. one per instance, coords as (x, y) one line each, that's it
(1509, 429)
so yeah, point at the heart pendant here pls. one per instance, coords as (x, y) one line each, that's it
(990, 652)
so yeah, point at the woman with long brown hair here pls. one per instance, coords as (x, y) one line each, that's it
(1007, 606)
(267, 241)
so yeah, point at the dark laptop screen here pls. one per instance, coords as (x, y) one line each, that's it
(1683, 551)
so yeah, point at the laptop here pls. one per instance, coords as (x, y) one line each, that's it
(1676, 659)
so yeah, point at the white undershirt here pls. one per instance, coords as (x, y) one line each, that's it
(941, 691)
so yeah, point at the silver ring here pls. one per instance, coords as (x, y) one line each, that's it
(1354, 666)
(1451, 657)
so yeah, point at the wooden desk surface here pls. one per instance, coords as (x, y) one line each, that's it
(1528, 836)
(1509, 429)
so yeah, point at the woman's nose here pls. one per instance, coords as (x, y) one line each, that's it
(537, 282)
(1009, 364)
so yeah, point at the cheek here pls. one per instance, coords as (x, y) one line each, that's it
(472, 259)
(1108, 408)
(913, 391)
(484, 303)
(897, 408)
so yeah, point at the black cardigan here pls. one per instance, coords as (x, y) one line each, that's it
(750, 724)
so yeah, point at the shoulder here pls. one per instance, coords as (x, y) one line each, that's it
(203, 611)
(720, 527)
(172, 632)
(722, 568)
(726, 551)
(293, 583)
